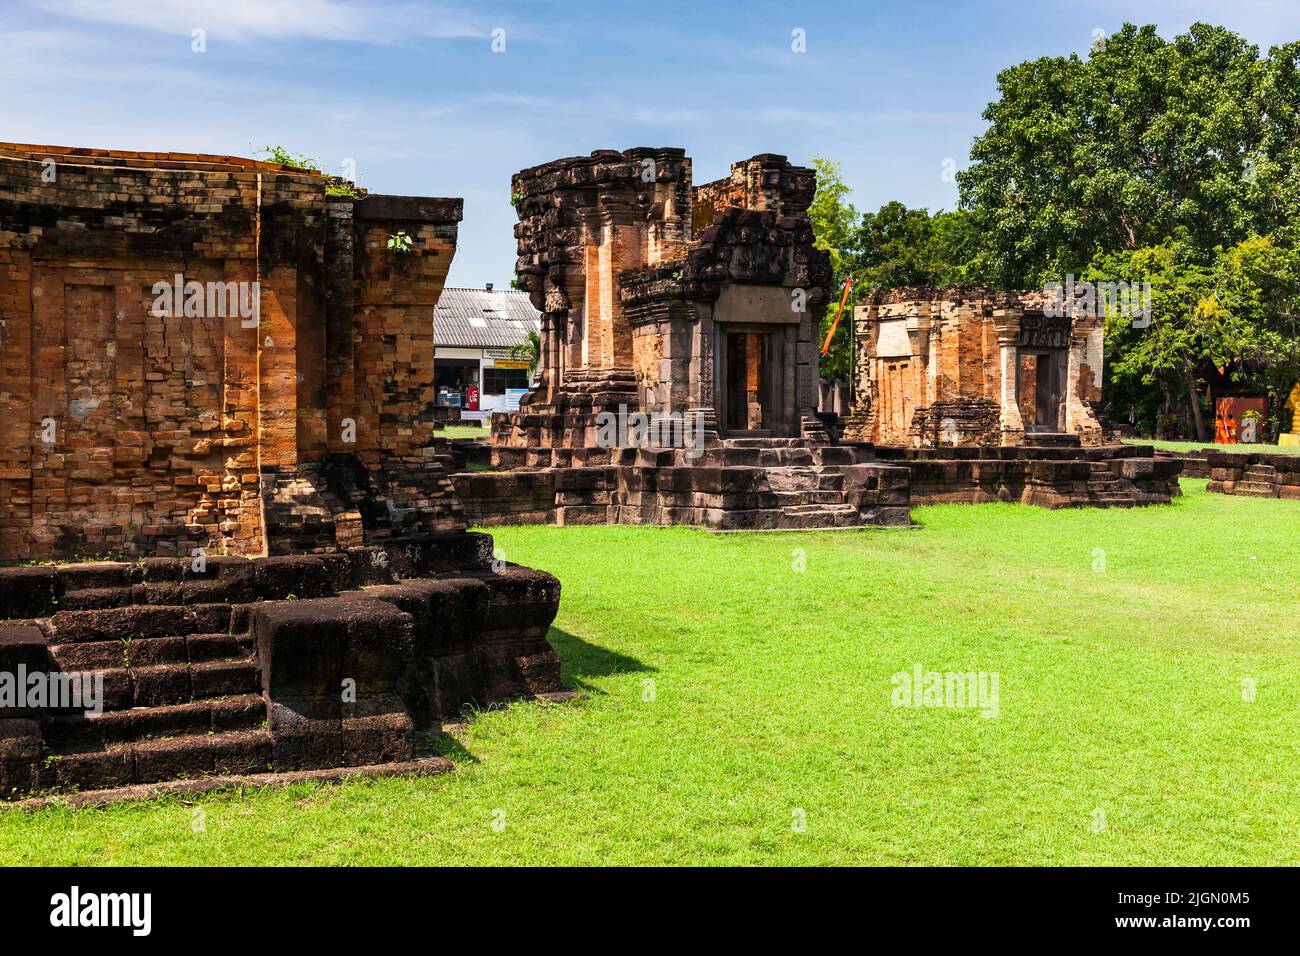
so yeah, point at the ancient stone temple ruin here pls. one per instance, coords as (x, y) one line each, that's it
(220, 376)
(970, 366)
(695, 307)
(991, 396)
(669, 298)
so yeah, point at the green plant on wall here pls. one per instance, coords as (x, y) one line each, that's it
(278, 154)
(399, 242)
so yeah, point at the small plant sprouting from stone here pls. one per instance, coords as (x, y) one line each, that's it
(399, 241)
(291, 597)
(516, 198)
(283, 157)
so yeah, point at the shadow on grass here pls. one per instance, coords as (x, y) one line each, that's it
(581, 661)
(444, 744)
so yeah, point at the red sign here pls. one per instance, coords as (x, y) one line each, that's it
(471, 398)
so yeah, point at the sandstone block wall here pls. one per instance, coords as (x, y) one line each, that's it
(638, 275)
(954, 367)
(126, 427)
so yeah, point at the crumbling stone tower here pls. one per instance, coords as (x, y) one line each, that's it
(668, 298)
(126, 427)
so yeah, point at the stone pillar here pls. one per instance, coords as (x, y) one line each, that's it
(701, 371)
(932, 357)
(918, 333)
(1083, 380)
(1011, 425)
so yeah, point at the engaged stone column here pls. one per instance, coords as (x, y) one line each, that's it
(1011, 424)
(1083, 379)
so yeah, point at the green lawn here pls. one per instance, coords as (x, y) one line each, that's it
(463, 431)
(1198, 445)
(1121, 639)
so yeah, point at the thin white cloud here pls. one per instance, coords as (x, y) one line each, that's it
(363, 22)
(1265, 22)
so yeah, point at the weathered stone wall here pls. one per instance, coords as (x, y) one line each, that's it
(727, 488)
(129, 427)
(1254, 474)
(635, 271)
(949, 366)
(1049, 477)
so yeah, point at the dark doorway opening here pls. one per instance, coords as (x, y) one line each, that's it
(749, 382)
(1040, 389)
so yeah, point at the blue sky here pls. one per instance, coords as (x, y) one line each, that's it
(413, 93)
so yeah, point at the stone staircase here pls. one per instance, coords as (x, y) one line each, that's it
(182, 698)
(743, 484)
(1253, 474)
(239, 667)
(1259, 480)
(795, 484)
(1106, 489)
(809, 497)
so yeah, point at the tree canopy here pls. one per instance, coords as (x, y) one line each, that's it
(1173, 162)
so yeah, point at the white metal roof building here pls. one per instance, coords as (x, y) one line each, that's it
(475, 333)
(484, 318)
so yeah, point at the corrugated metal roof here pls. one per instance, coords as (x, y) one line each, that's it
(477, 318)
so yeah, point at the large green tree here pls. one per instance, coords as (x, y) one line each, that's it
(834, 222)
(1143, 141)
(897, 246)
(1235, 314)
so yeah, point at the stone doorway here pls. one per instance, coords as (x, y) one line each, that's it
(749, 381)
(1040, 389)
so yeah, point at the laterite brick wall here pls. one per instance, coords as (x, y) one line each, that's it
(127, 428)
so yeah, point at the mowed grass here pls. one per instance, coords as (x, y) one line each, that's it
(732, 697)
(1239, 449)
(462, 431)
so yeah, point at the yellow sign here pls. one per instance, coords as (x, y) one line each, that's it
(510, 363)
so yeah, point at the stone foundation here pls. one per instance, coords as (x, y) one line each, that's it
(270, 664)
(731, 488)
(1048, 477)
(1256, 475)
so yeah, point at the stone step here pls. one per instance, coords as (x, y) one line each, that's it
(765, 443)
(160, 685)
(821, 518)
(164, 758)
(1102, 487)
(149, 651)
(806, 509)
(1052, 439)
(810, 496)
(1249, 487)
(71, 732)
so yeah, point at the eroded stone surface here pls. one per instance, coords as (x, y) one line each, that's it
(971, 366)
(130, 427)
